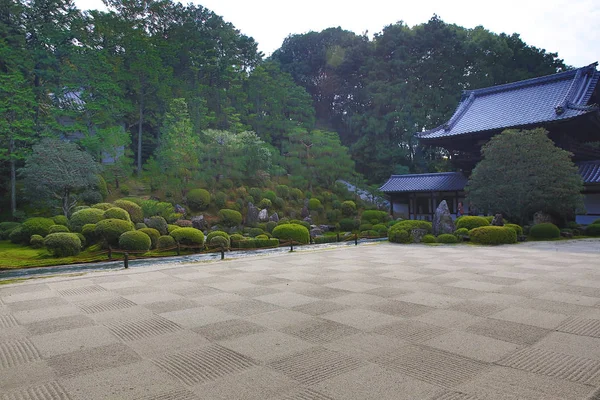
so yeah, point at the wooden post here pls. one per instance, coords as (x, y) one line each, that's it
(338, 236)
(178, 249)
(356, 239)
(291, 245)
(409, 205)
(126, 260)
(109, 252)
(222, 254)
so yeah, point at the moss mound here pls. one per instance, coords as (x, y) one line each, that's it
(135, 241)
(544, 231)
(84, 217)
(188, 236)
(493, 235)
(63, 244)
(292, 232)
(111, 230)
(470, 222)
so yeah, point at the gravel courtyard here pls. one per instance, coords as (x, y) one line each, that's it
(377, 321)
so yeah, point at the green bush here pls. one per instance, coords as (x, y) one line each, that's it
(374, 216)
(270, 226)
(544, 231)
(153, 234)
(140, 225)
(381, 229)
(36, 241)
(79, 208)
(220, 199)
(314, 204)
(236, 237)
(296, 194)
(256, 193)
(36, 226)
(218, 242)
(369, 234)
(84, 217)
(489, 218)
(135, 211)
(117, 213)
(593, 229)
(111, 229)
(165, 242)
(255, 243)
(279, 203)
(365, 227)
(230, 218)
(82, 239)
(325, 239)
(462, 232)
(63, 244)
(471, 222)
(135, 241)
(282, 191)
(214, 234)
(188, 236)
(261, 237)
(298, 222)
(516, 227)
(158, 223)
(349, 224)
(103, 206)
(58, 228)
(447, 238)
(410, 224)
(90, 234)
(6, 228)
(60, 220)
(253, 232)
(91, 197)
(428, 239)
(18, 236)
(399, 235)
(493, 235)
(124, 189)
(264, 203)
(172, 228)
(292, 232)
(348, 208)
(269, 194)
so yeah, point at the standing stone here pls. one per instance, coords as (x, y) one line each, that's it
(274, 217)
(541, 217)
(199, 222)
(304, 213)
(315, 231)
(252, 216)
(498, 220)
(263, 215)
(442, 220)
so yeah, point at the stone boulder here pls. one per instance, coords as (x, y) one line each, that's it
(252, 215)
(325, 228)
(417, 235)
(498, 220)
(304, 213)
(442, 220)
(263, 215)
(199, 222)
(274, 217)
(315, 232)
(179, 209)
(541, 217)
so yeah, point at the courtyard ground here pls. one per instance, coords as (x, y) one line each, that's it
(377, 321)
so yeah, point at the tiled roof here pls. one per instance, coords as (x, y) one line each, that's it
(590, 171)
(438, 182)
(539, 100)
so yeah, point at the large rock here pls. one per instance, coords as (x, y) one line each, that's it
(252, 215)
(442, 220)
(497, 220)
(541, 217)
(199, 222)
(304, 213)
(417, 235)
(325, 228)
(263, 215)
(315, 232)
(274, 217)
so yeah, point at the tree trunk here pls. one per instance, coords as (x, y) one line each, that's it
(139, 144)
(65, 203)
(13, 178)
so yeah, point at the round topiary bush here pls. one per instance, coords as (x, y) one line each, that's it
(544, 231)
(292, 232)
(63, 244)
(58, 228)
(493, 235)
(262, 237)
(135, 241)
(6, 228)
(110, 230)
(349, 224)
(264, 203)
(135, 211)
(36, 241)
(117, 213)
(428, 239)
(314, 204)
(103, 206)
(188, 236)
(447, 238)
(36, 226)
(60, 220)
(230, 218)
(471, 222)
(298, 222)
(516, 227)
(461, 233)
(365, 227)
(198, 199)
(381, 229)
(82, 239)
(86, 216)
(348, 208)
(282, 191)
(410, 224)
(140, 225)
(165, 242)
(399, 234)
(218, 242)
(214, 234)
(153, 234)
(593, 229)
(171, 228)
(253, 232)
(374, 216)
(89, 232)
(158, 223)
(17, 236)
(296, 194)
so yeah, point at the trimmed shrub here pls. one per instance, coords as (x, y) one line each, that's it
(214, 234)
(298, 222)
(117, 213)
(236, 237)
(60, 220)
(516, 227)
(264, 203)
(428, 239)
(172, 228)
(6, 228)
(544, 231)
(374, 216)
(253, 232)
(63, 244)
(135, 211)
(36, 241)
(493, 235)
(140, 225)
(381, 229)
(399, 235)
(220, 199)
(256, 193)
(282, 191)
(165, 242)
(365, 227)
(270, 226)
(293, 232)
(158, 223)
(269, 194)
(82, 239)
(230, 218)
(135, 241)
(188, 236)
(36, 226)
(153, 234)
(90, 234)
(409, 224)
(111, 229)
(84, 217)
(103, 206)
(218, 242)
(349, 224)
(296, 194)
(91, 197)
(489, 218)
(18, 236)
(58, 228)
(79, 208)
(471, 222)
(101, 187)
(348, 208)
(462, 232)
(314, 204)
(369, 234)
(447, 238)
(261, 237)
(256, 243)
(593, 229)
(325, 239)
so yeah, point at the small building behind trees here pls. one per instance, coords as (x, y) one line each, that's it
(565, 104)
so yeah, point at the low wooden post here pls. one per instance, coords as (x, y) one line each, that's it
(178, 249)
(310, 239)
(222, 254)
(291, 245)
(338, 236)
(356, 239)
(109, 253)
(126, 260)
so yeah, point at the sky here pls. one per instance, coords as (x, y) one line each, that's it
(569, 27)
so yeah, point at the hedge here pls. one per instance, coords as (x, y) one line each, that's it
(230, 218)
(399, 235)
(153, 234)
(6, 228)
(461, 232)
(264, 203)
(103, 206)
(58, 228)
(255, 243)
(544, 231)
(428, 239)
(165, 242)
(198, 199)
(36, 241)
(349, 224)
(214, 234)
(446, 238)
(135, 211)
(381, 229)
(593, 229)
(365, 227)
(470, 222)
(293, 232)
(158, 223)
(493, 235)
(188, 236)
(60, 220)
(135, 241)
(84, 217)
(410, 224)
(516, 227)
(236, 237)
(36, 226)
(117, 213)
(172, 228)
(325, 239)
(18, 236)
(374, 216)
(111, 229)
(63, 244)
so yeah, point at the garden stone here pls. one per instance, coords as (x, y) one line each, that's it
(324, 228)
(498, 220)
(252, 217)
(199, 222)
(316, 232)
(304, 213)
(541, 217)
(308, 219)
(274, 217)
(263, 215)
(417, 235)
(442, 220)
(566, 234)
(179, 209)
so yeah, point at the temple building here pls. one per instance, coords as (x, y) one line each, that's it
(565, 104)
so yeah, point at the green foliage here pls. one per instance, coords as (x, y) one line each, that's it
(158, 223)
(296, 194)
(60, 220)
(382, 229)
(255, 243)
(399, 235)
(103, 206)
(369, 234)
(269, 194)
(292, 232)
(172, 228)
(593, 229)
(298, 222)
(140, 225)
(151, 208)
(544, 231)
(314, 204)
(117, 213)
(264, 203)
(36, 241)
(215, 234)
(349, 224)
(165, 242)
(447, 238)
(230, 218)
(282, 191)
(220, 199)
(348, 208)
(58, 228)
(253, 232)
(374, 216)
(6, 228)
(523, 172)
(63, 244)
(218, 242)
(90, 234)
(493, 235)
(86, 216)
(188, 236)
(135, 241)
(325, 239)
(153, 234)
(365, 227)
(470, 222)
(236, 237)
(489, 218)
(90, 197)
(461, 232)
(111, 229)
(409, 224)
(36, 226)
(135, 211)
(428, 239)
(18, 236)
(516, 227)
(198, 199)
(270, 226)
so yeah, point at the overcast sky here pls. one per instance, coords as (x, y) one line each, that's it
(569, 27)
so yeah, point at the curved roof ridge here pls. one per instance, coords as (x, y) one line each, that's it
(428, 174)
